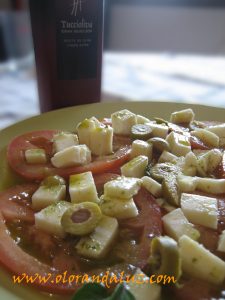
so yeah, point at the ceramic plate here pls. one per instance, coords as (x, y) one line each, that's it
(67, 119)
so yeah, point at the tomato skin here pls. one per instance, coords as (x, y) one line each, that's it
(15, 203)
(12, 257)
(15, 260)
(16, 159)
(196, 143)
(195, 289)
(147, 225)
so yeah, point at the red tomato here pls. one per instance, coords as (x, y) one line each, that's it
(195, 289)
(16, 157)
(15, 203)
(12, 257)
(146, 225)
(17, 261)
(196, 143)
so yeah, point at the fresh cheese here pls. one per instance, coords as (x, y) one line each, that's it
(72, 156)
(63, 140)
(200, 210)
(47, 195)
(35, 156)
(85, 129)
(211, 185)
(199, 262)
(99, 242)
(208, 185)
(179, 144)
(49, 218)
(122, 187)
(190, 164)
(158, 130)
(142, 288)
(122, 121)
(101, 140)
(167, 157)
(187, 184)
(142, 120)
(219, 129)
(182, 116)
(207, 137)
(176, 224)
(82, 188)
(208, 161)
(135, 167)
(117, 208)
(152, 186)
(140, 147)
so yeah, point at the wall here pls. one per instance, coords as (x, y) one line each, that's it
(160, 28)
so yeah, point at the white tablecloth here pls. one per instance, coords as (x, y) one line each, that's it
(137, 76)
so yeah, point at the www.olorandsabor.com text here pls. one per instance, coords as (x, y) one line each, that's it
(107, 279)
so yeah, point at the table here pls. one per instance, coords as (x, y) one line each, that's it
(126, 76)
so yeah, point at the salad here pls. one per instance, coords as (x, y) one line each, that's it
(136, 204)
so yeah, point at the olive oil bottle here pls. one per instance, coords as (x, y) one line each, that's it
(68, 39)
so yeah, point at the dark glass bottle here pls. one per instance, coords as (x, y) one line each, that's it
(68, 38)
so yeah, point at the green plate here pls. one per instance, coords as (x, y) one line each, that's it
(67, 119)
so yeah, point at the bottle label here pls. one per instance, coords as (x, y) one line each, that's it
(77, 38)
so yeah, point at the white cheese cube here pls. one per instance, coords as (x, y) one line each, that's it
(85, 128)
(187, 184)
(179, 144)
(211, 185)
(82, 188)
(117, 208)
(152, 186)
(167, 157)
(35, 156)
(142, 120)
(49, 218)
(207, 137)
(101, 140)
(122, 121)
(64, 140)
(135, 167)
(190, 164)
(98, 243)
(122, 187)
(164, 204)
(219, 129)
(145, 291)
(72, 156)
(190, 160)
(199, 262)
(182, 116)
(176, 224)
(158, 130)
(208, 161)
(221, 243)
(140, 147)
(200, 210)
(47, 195)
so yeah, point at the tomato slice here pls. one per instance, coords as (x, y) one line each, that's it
(16, 202)
(146, 225)
(196, 143)
(20, 144)
(12, 257)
